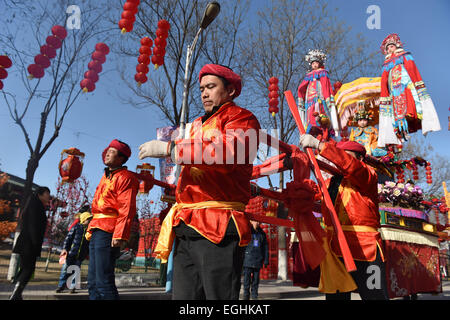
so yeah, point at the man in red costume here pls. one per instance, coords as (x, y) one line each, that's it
(356, 204)
(113, 207)
(208, 219)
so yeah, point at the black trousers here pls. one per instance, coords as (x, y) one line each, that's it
(203, 270)
(370, 277)
(251, 280)
(27, 265)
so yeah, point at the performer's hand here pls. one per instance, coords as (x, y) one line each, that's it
(308, 141)
(154, 149)
(118, 243)
(63, 252)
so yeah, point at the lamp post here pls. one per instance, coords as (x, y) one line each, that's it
(211, 12)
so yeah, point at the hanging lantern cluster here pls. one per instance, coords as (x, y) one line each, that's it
(415, 171)
(145, 170)
(128, 17)
(159, 51)
(400, 174)
(428, 173)
(5, 63)
(71, 164)
(273, 96)
(144, 60)
(48, 52)
(95, 67)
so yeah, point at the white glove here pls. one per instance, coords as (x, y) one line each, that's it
(154, 149)
(308, 141)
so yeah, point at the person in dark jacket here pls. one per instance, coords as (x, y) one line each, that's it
(256, 254)
(29, 242)
(75, 248)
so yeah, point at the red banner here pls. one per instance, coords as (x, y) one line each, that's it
(411, 268)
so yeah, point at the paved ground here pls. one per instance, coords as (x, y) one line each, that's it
(268, 290)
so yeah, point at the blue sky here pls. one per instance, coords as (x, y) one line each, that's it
(99, 117)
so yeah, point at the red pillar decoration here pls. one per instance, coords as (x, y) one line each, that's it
(95, 67)
(159, 51)
(400, 174)
(5, 63)
(273, 96)
(415, 170)
(130, 8)
(144, 60)
(48, 51)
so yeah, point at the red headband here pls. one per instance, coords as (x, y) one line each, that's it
(224, 72)
(351, 146)
(120, 146)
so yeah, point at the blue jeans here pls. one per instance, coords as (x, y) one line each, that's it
(64, 276)
(102, 260)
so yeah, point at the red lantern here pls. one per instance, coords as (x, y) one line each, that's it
(157, 61)
(3, 73)
(130, 6)
(95, 66)
(144, 59)
(42, 60)
(142, 68)
(145, 50)
(1, 85)
(146, 41)
(160, 42)
(48, 51)
(54, 42)
(90, 74)
(146, 173)
(59, 31)
(35, 71)
(87, 85)
(71, 165)
(140, 78)
(99, 56)
(163, 24)
(5, 62)
(102, 47)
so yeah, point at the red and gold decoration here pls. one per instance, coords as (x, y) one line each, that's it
(71, 164)
(273, 96)
(159, 51)
(5, 63)
(145, 52)
(128, 17)
(48, 52)
(145, 170)
(95, 67)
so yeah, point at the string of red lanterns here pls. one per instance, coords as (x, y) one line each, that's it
(159, 51)
(128, 17)
(5, 63)
(428, 173)
(48, 52)
(144, 60)
(273, 96)
(95, 67)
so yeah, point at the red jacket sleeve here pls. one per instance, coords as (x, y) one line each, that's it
(412, 70)
(301, 92)
(127, 189)
(356, 171)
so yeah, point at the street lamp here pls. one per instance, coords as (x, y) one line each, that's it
(211, 12)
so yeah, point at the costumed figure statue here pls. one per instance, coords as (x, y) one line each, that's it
(315, 94)
(405, 105)
(366, 134)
